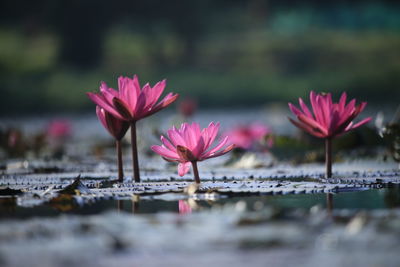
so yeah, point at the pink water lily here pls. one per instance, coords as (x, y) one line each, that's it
(327, 119)
(59, 129)
(117, 128)
(132, 103)
(190, 144)
(247, 136)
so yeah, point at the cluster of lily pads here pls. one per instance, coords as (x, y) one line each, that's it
(119, 110)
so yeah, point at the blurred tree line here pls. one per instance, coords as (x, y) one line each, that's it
(51, 52)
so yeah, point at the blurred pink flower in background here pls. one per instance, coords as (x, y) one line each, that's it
(187, 107)
(190, 144)
(184, 207)
(14, 137)
(59, 129)
(248, 136)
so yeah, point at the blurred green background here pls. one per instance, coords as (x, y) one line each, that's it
(224, 53)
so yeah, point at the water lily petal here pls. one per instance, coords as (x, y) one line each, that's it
(163, 151)
(183, 168)
(313, 131)
(100, 101)
(216, 148)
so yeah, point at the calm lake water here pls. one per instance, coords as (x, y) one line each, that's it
(385, 198)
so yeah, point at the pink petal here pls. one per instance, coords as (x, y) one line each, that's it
(295, 110)
(168, 100)
(307, 128)
(132, 93)
(358, 124)
(190, 143)
(210, 133)
(100, 101)
(139, 111)
(148, 94)
(109, 94)
(116, 127)
(361, 107)
(167, 143)
(176, 138)
(136, 84)
(324, 110)
(104, 88)
(199, 148)
(165, 152)
(312, 123)
(342, 101)
(216, 148)
(317, 109)
(305, 109)
(347, 111)
(183, 168)
(101, 115)
(157, 91)
(223, 152)
(334, 121)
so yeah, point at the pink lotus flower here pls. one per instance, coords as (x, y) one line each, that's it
(328, 119)
(189, 144)
(117, 128)
(247, 136)
(59, 129)
(132, 103)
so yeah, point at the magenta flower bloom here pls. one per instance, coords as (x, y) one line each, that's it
(59, 129)
(327, 119)
(132, 103)
(187, 107)
(247, 136)
(189, 144)
(117, 128)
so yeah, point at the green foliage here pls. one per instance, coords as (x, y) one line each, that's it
(237, 59)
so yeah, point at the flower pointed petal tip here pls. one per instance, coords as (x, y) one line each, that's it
(364, 121)
(222, 152)
(294, 109)
(103, 85)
